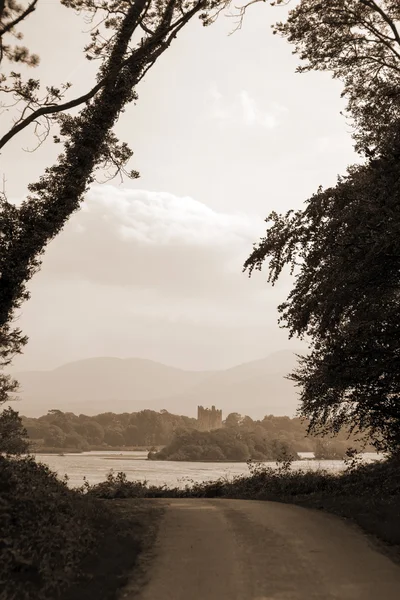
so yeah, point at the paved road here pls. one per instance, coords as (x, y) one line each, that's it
(248, 550)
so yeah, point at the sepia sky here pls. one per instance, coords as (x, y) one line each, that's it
(224, 131)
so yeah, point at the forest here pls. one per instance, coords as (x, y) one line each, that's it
(240, 438)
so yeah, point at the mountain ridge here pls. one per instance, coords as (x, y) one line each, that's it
(110, 384)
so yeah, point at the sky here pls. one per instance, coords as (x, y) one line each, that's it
(224, 131)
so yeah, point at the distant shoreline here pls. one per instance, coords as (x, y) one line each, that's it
(52, 450)
(45, 452)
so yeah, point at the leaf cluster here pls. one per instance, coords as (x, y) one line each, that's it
(46, 533)
(357, 42)
(344, 251)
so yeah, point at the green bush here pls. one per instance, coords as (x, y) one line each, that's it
(13, 435)
(269, 483)
(46, 530)
(118, 486)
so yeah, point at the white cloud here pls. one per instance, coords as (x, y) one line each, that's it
(137, 265)
(154, 241)
(160, 218)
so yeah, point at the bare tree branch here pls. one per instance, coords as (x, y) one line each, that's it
(57, 108)
(48, 110)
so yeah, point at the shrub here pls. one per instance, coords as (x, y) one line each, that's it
(13, 435)
(270, 483)
(46, 530)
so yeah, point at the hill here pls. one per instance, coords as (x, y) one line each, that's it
(104, 384)
(256, 388)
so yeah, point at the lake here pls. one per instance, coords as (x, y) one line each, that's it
(96, 465)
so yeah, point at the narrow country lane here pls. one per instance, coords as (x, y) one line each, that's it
(210, 549)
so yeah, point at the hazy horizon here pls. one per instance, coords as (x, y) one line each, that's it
(95, 385)
(164, 363)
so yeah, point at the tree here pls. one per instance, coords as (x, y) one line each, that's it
(74, 440)
(343, 248)
(13, 435)
(62, 420)
(11, 15)
(114, 437)
(92, 431)
(33, 428)
(131, 435)
(54, 437)
(358, 41)
(233, 420)
(127, 38)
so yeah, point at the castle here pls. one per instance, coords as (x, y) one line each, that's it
(209, 418)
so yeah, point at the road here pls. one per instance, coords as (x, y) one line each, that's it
(215, 549)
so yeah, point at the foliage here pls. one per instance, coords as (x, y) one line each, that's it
(116, 486)
(264, 482)
(66, 430)
(366, 493)
(47, 531)
(13, 435)
(343, 247)
(149, 428)
(11, 15)
(230, 444)
(359, 44)
(345, 298)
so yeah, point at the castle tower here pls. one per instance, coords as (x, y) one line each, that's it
(209, 418)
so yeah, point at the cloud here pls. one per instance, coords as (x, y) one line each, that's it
(138, 272)
(160, 218)
(243, 109)
(177, 246)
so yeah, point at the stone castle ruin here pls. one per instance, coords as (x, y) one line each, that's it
(209, 418)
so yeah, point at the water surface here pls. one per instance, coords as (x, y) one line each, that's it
(96, 465)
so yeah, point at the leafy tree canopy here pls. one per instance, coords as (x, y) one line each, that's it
(358, 42)
(343, 248)
(13, 435)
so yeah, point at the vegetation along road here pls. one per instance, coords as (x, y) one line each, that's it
(249, 550)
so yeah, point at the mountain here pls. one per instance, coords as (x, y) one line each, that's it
(256, 388)
(117, 385)
(98, 385)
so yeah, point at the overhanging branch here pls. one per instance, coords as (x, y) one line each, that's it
(7, 28)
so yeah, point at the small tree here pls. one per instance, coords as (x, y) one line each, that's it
(233, 420)
(13, 435)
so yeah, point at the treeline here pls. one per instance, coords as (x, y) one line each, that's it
(66, 430)
(242, 439)
(149, 428)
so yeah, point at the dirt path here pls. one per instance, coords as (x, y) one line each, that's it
(246, 550)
